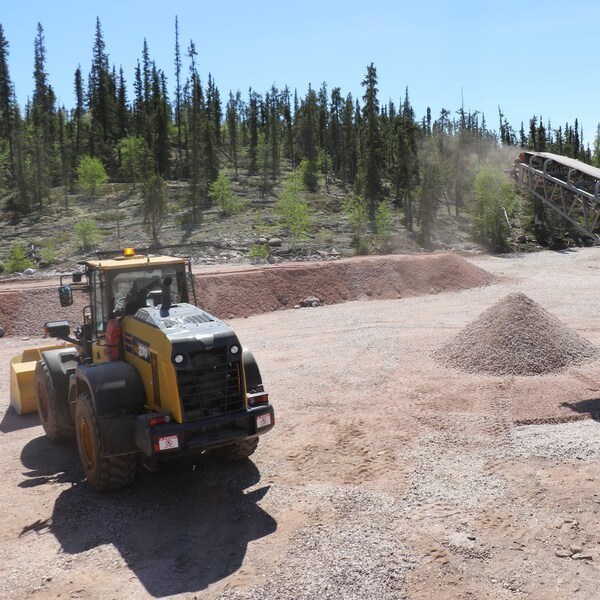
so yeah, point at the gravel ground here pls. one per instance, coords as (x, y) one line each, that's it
(388, 475)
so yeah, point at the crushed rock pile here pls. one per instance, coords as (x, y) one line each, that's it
(247, 292)
(516, 336)
(232, 292)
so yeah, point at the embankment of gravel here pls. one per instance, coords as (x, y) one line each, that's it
(246, 293)
(231, 293)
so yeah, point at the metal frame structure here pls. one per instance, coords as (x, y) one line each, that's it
(569, 187)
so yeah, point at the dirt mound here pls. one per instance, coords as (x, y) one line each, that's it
(245, 291)
(9, 307)
(516, 336)
(230, 294)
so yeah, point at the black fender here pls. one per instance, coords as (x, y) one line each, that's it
(254, 381)
(61, 363)
(117, 395)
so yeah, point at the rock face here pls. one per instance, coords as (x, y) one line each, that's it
(516, 336)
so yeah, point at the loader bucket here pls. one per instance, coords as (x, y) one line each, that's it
(22, 379)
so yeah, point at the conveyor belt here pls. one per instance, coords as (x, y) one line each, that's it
(569, 187)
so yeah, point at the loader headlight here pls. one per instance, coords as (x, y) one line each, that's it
(234, 349)
(178, 359)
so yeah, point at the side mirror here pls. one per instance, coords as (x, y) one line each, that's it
(65, 295)
(77, 277)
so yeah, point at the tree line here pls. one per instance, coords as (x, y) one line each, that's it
(383, 153)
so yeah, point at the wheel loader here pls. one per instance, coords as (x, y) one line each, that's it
(148, 377)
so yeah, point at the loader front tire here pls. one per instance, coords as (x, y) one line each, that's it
(53, 411)
(103, 473)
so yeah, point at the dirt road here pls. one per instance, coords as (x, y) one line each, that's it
(388, 475)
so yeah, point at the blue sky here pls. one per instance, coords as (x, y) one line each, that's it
(531, 58)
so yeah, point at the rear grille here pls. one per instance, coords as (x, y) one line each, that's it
(211, 385)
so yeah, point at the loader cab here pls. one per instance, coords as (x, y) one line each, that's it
(120, 284)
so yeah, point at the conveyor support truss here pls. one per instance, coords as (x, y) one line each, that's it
(569, 187)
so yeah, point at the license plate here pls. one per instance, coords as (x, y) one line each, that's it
(263, 420)
(168, 442)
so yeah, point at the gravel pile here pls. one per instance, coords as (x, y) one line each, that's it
(247, 291)
(516, 336)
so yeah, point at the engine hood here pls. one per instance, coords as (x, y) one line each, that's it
(184, 322)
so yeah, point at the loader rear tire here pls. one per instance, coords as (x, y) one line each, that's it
(103, 473)
(237, 451)
(53, 411)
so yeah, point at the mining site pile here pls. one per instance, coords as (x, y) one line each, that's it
(246, 291)
(249, 292)
(516, 336)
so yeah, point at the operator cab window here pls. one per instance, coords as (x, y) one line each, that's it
(136, 289)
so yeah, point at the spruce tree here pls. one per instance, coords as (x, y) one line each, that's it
(78, 115)
(308, 138)
(197, 132)
(288, 126)
(349, 151)
(370, 184)
(274, 128)
(335, 137)
(123, 114)
(405, 167)
(43, 114)
(102, 102)
(178, 105)
(214, 108)
(232, 121)
(7, 115)
(253, 134)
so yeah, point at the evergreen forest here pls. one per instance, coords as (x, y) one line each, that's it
(395, 169)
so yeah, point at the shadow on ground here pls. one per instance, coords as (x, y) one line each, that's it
(179, 530)
(11, 421)
(590, 407)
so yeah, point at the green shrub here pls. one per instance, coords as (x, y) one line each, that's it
(383, 220)
(309, 170)
(18, 261)
(292, 210)
(87, 233)
(222, 194)
(356, 210)
(494, 202)
(47, 254)
(91, 174)
(259, 251)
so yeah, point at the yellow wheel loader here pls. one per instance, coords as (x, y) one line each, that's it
(147, 378)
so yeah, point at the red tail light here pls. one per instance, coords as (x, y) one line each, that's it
(158, 420)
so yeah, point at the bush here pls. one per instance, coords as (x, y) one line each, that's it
(222, 194)
(18, 261)
(494, 202)
(155, 200)
(91, 174)
(87, 233)
(259, 251)
(292, 210)
(47, 255)
(309, 170)
(383, 220)
(356, 210)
